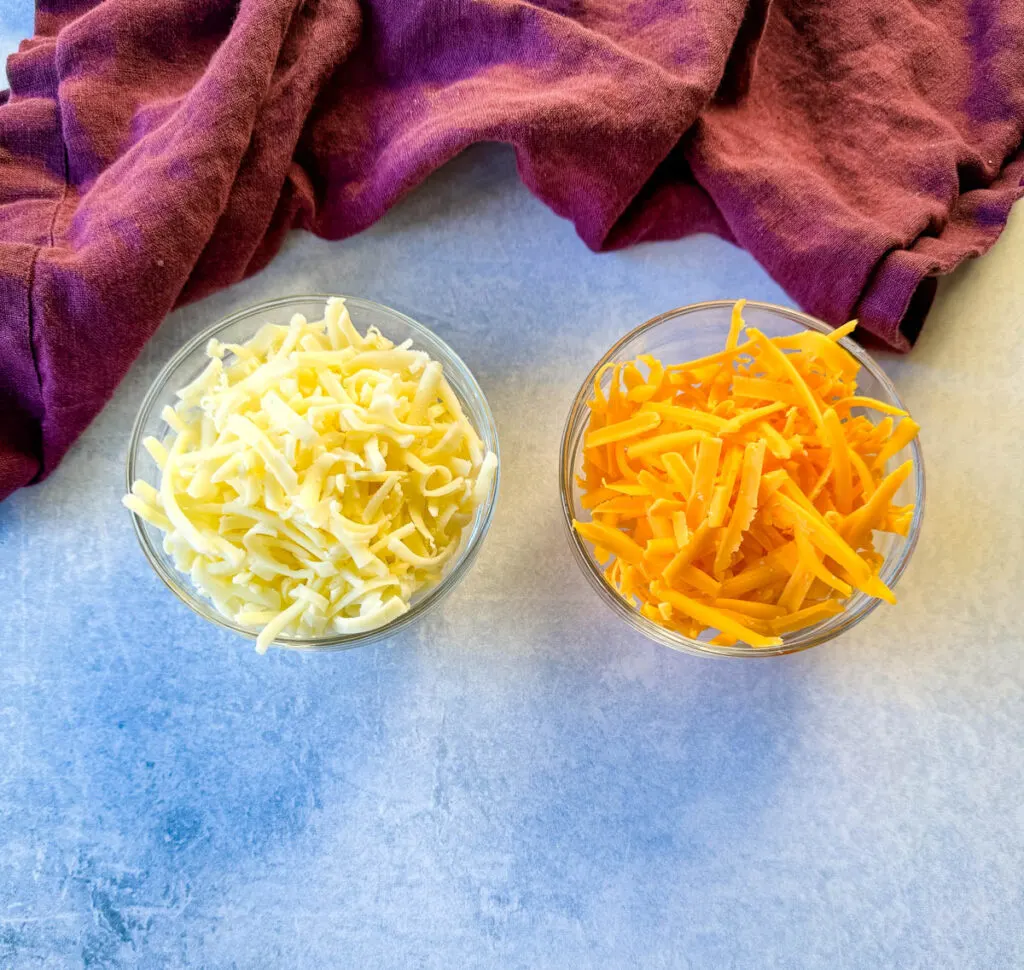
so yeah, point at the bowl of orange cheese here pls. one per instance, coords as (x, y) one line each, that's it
(741, 479)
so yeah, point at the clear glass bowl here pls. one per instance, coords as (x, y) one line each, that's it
(188, 362)
(695, 331)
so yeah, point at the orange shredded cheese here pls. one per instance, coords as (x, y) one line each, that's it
(738, 495)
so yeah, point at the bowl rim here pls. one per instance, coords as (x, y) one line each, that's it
(891, 571)
(470, 544)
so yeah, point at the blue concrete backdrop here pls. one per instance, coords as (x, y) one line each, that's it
(518, 782)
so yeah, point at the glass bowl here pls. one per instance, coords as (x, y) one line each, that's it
(187, 364)
(695, 331)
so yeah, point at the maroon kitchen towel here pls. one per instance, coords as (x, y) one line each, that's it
(152, 151)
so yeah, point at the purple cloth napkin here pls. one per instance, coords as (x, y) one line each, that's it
(152, 151)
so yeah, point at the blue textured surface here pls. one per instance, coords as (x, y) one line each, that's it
(519, 782)
(16, 21)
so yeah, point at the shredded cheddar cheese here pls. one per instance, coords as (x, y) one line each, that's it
(314, 479)
(738, 494)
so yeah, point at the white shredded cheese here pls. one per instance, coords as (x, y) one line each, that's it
(313, 480)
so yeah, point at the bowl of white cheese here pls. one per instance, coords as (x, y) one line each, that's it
(314, 472)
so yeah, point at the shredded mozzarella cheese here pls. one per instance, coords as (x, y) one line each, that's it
(314, 480)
